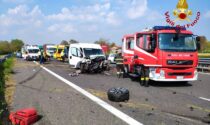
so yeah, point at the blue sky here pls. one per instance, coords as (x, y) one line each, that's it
(50, 21)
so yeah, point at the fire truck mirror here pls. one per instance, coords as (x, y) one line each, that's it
(198, 38)
(198, 45)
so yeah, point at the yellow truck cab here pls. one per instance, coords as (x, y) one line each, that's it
(59, 53)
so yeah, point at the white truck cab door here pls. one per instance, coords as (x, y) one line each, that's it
(74, 57)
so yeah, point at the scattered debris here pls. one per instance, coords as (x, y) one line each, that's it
(146, 99)
(78, 71)
(191, 108)
(152, 109)
(174, 92)
(149, 114)
(106, 73)
(92, 111)
(74, 74)
(34, 70)
(120, 105)
(177, 122)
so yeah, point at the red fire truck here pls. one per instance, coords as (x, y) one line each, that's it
(162, 53)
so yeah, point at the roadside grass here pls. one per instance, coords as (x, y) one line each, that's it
(5, 71)
(204, 55)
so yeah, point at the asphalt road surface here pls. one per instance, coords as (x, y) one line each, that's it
(59, 104)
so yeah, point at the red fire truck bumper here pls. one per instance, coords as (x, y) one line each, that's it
(167, 74)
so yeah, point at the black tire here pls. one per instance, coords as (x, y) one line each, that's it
(118, 94)
(82, 68)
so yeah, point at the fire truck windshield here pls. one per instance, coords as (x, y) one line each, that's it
(177, 42)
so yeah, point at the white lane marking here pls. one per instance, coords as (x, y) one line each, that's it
(204, 99)
(98, 101)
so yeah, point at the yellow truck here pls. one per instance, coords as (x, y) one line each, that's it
(59, 53)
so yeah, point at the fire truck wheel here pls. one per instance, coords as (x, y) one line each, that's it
(118, 94)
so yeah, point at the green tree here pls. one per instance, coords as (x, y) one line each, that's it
(112, 45)
(73, 41)
(102, 41)
(4, 47)
(16, 45)
(64, 42)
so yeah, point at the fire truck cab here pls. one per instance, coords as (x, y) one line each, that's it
(162, 53)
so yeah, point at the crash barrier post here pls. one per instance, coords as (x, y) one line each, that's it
(204, 64)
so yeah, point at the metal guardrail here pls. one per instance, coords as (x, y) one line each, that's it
(5, 57)
(204, 64)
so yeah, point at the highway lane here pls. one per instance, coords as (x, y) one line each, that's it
(56, 102)
(160, 103)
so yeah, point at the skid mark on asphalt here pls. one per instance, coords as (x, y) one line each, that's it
(130, 104)
(124, 117)
(198, 107)
(20, 65)
(138, 105)
(30, 77)
(187, 118)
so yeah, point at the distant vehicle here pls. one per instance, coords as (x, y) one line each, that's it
(23, 52)
(19, 54)
(111, 58)
(87, 57)
(31, 52)
(105, 49)
(59, 53)
(49, 50)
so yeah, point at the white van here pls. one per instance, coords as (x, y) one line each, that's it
(32, 52)
(86, 53)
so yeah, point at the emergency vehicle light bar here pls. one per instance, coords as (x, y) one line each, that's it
(168, 28)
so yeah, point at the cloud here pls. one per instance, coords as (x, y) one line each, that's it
(108, 19)
(96, 13)
(137, 9)
(207, 14)
(17, 1)
(112, 19)
(64, 28)
(21, 15)
(153, 15)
